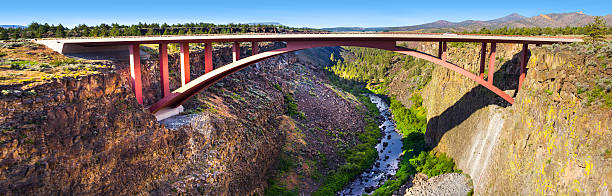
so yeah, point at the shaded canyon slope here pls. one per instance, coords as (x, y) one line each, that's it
(554, 139)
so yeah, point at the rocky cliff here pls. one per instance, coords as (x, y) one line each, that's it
(88, 135)
(554, 139)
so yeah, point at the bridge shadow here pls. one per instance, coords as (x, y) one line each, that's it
(505, 78)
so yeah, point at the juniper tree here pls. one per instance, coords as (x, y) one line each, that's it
(59, 31)
(596, 31)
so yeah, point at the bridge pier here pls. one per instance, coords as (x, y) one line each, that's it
(236, 51)
(523, 65)
(163, 69)
(492, 63)
(442, 50)
(184, 63)
(135, 71)
(208, 62)
(255, 46)
(483, 57)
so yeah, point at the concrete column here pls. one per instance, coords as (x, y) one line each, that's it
(492, 63)
(135, 71)
(236, 51)
(483, 57)
(184, 63)
(440, 50)
(163, 69)
(255, 46)
(443, 55)
(208, 62)
(523, 65)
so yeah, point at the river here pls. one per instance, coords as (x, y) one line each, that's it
(389, 151)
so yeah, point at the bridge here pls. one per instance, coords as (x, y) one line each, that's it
(294, 42)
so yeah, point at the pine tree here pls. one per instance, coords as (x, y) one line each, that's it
(115, 31)
(93, 32)
(59, 31)
(3, 34)
(596, 31)
(151, 32)
(17, 33)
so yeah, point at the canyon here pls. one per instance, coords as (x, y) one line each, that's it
(88, 135)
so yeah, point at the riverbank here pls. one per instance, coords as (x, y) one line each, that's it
(389, 150)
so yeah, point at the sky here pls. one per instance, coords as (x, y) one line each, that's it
(295, 13)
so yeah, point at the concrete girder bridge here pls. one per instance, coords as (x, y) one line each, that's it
(174, 98)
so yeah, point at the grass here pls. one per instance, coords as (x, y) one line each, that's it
(275, 187)
(20, 65)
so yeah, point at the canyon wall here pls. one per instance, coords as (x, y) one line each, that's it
(552, 140)
(88, 135)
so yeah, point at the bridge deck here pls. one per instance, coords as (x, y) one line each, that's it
(313, 37)
(385, 41)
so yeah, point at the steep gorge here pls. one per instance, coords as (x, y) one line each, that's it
(87, 134)
(554, 139)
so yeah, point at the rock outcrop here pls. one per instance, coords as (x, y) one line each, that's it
(88, 135)
(552, 140)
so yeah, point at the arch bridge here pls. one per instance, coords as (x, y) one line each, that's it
(294, 42)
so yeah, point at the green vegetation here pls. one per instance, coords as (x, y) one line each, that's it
(373, 67)
(36, 30)
(276, 188)
(292, 107)
(290, 103)
(364, 70)
(412, 119)
(432, 165)
(412, 123)
(358, 158)
(20, 65)
(596, 31)
(599, 93)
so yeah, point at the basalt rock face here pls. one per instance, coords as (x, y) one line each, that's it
(88, 135)
(84, 136)
(552, 140)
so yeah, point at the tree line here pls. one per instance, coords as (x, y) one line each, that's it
(539, 31)
(37, 30)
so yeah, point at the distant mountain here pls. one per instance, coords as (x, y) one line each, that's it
(513, 20)
(12, 26)
(343, 29)
(264, 23)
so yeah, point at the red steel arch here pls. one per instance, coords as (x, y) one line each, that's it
(180, 95)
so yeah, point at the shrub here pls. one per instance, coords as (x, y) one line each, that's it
(292, 107)
(66, 61)
(19, 65)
